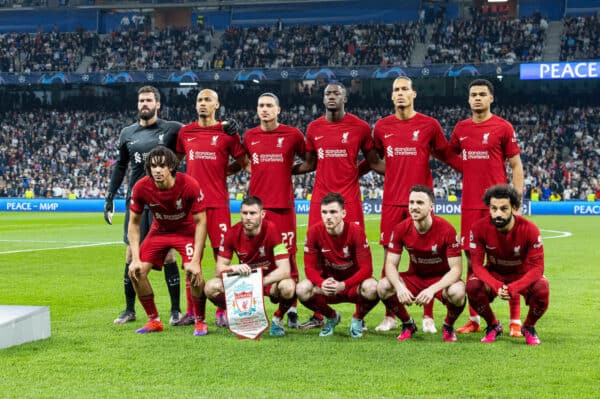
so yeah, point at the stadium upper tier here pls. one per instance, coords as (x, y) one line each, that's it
(137, 48)
(56, 153)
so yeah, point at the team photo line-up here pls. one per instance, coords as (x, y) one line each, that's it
(170, 211)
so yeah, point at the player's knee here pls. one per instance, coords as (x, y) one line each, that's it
(474, 287)
(456, 293)
(170, 258)
(384, 288)
(213, 287)
(368, 289)
(541, 292)
(304, 290)
(287, 288)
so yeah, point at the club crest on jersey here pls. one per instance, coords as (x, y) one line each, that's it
(261, 250)
(517, 250)
(280, 142)
(214, 140)
(244, 303)
(416, 135)
(434, 248)
(179, 204)
(486, 136)
(346, 252)
(345, 137)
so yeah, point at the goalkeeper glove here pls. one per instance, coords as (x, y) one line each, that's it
(109, 208)
(230, 126)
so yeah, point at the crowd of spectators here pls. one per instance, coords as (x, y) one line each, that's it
(57, 154)
(316, 46)
(580, 39)
(486, 40)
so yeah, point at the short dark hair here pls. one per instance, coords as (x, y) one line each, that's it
(482, 82)
(150, 89)
(272, 95)
(252, 200)
(502, 191)
(337, 83)
(160, 153)
(419, 188)
(331, 198)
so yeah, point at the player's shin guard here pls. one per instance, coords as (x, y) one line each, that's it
(428, 309)
(453, 312)
(364, 306)
(538, 301)
(129, 291)
(219, 300)
(188, 297)
(199, 306)
(173, 284)
(479, 300)
(317, 303)
(472, 312)
(284, 306)
(515, 308)
(147, 302)
(393, 304)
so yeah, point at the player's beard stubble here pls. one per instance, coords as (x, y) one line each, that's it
(146, 113)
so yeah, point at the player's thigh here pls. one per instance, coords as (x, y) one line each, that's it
(354, 213)
(391, 215)
(184, 244)
(285, 220)
(154, 249)
(467, 218)
(218, 221)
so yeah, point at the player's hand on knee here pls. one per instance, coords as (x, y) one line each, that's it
(424, 297)
(405, 297)
(135, 270)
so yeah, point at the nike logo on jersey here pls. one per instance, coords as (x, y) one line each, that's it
(488, 247)
(462, 138)
(318, 137)
(153, 204)
(388, 135)
(254, 142)
(326, 250)
(191, 138)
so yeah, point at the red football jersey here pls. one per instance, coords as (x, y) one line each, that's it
(484, 148)
(336, 145)
(518, 253)
(428, 252)
(258, 251)
(407, 146)
(207, 151)
(272, 156)
(173, 208)
(346, 257)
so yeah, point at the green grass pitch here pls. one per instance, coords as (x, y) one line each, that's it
(73, 263)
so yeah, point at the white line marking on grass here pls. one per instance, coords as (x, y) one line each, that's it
(98, 244)
(560, 234)
(51, 242)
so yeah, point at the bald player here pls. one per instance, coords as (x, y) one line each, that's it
(206, 145)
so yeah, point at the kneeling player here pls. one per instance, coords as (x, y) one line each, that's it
(179, 222)
(257, 243)
(338, 266)
(515, 263)
(434, 270)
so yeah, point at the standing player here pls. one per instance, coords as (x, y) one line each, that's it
(484, 141)
(435, 265)
(515, 263)
(257, 243)
(179, 223)
(333, 142)
(272, 148)
(207, 145)
(407, 140)
(338, 266)
(135, 142)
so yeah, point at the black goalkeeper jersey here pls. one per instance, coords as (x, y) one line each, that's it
(135, 142)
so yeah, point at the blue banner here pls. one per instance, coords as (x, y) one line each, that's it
(560, 70)
(257, 75)
(370, 207)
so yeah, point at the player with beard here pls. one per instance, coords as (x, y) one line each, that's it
(407, 140)
(206, 145)
(434, 269)
(514, 266)
(333, 143)
(272, 148)
(485, 141)
(338, 266)
(135, 142)
(179, 223)
(257, 243)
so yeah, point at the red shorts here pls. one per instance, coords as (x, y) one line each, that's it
(416, 284)
(391, 215)
(350, 294)
(285, 220)
(218, 221)
(354, 212)
(156, 245)
(468, 217)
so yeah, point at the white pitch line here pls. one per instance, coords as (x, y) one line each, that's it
(50, 242)
(98, 244)
(561, 234)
